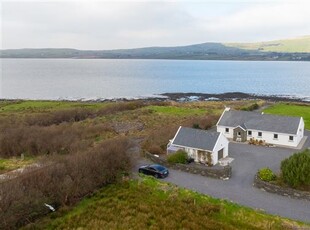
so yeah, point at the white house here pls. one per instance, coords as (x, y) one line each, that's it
(202, 146)
(278, 130)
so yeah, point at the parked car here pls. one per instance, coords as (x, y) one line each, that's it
(155, 170)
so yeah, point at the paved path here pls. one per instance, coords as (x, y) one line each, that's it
(239, 189)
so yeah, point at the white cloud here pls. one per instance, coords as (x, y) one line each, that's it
(128, 24)
(264, 21)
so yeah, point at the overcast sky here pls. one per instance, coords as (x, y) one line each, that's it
(128, 24)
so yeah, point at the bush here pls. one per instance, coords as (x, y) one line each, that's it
(196, 126)
(155, 149)
(251, 107)
(266, 174)
(178, 157)
(205, 122)
(296, 169)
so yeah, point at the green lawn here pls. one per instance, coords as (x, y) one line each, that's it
(44, 106)
(152, 204)
(291, 110)
(177, 111)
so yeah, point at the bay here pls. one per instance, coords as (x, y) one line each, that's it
(74, 79)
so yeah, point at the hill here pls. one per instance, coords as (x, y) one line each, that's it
(284, 50)
(295, 45)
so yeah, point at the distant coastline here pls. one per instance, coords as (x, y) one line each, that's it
(281, 50)
(190, 97)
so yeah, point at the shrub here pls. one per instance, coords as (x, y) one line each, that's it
(251, 107)
(178, 157)
(204, 122)
(196, 126)
(296, 169)
(155, 149)
(266, 174)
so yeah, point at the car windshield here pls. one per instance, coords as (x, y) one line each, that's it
(159, 167)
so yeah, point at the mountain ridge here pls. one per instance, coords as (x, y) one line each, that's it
(272, 50)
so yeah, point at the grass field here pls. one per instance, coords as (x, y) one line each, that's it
(177, 111)
(291, 110)
(44, 106)
(151, 204)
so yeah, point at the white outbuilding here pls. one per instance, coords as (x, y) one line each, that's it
(200, 145)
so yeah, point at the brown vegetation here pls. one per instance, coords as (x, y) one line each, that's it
(62, 180)
(79, 114)
(36, 140)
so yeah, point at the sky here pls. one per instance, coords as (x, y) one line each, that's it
(131, 24)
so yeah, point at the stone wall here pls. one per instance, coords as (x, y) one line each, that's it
(272, 188)
(218, 172)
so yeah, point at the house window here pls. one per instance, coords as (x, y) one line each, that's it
(260, 134)
(226, 130)
(250, 133)
(291, 138)
(275, 136)
(239, 134)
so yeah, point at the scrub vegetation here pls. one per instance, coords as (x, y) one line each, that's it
(83, 146)
(150, 204)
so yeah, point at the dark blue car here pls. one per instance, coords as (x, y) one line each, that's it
(155, 170)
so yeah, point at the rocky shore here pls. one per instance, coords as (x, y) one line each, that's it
(231, 96)
(187, 97)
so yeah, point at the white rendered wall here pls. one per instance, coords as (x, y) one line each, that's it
(268, 137)
(222, 129)
(301, 129)
(222, 142)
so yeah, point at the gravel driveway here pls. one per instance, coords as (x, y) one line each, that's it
(239, 188)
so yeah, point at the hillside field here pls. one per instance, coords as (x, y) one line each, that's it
(296, 45)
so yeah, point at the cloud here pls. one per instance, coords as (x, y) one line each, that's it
(128, 24)
(264, 21)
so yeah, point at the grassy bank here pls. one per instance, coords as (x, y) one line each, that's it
(151, 204)
(291, 110)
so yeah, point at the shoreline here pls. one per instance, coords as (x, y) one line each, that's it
(185, 97)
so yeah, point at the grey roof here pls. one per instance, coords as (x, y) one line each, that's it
(262, 122)
(196, 138)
